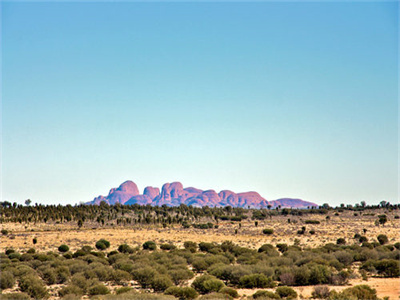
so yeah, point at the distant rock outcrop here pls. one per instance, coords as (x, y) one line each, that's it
(173, 194)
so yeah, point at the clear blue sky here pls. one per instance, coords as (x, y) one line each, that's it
(287, 99)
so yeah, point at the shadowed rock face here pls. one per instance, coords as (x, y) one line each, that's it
(173, 194)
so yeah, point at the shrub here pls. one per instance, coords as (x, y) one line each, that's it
(119, 276)
(99, 289)
(182, 293)
(34, 241)
(206, 284)
(31, 251)
(312, 222)
(101, 244)
(33, 286)
(312, 231)
(286, 292)
(7, 280)
(63, 248)
(268, 231)
(70, 290)
(191, 246)
(340, 241)
(382, 239)
(362, 239)
(149, 245)
(124, 248)
(15, 296)
(229, 291)
(161, 283)
(167, 247)
(388, 267)
(4, 231)
(360, 292)
(397, 245)
(144, 276)
(265, 295)
(256, 281)
(179, 275)
(320, 292)
(268, 249)
(123, 290)
(282, 247)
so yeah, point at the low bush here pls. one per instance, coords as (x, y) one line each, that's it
(382, 239)
(149, 245)
(63, 248)
(182, 293)
(70, 290)
(256, 281)
(320, 292)
(99, 289)
(160, 283)
(167, 247)
(265, 295)
(312, 222)
(7, 280)
(356, 292)
(33, 286)
(206, 284)
(268, 231)
(229, 291)
(123, 290)
(124, 248)
(286, 292)
(101, 244)
(191, 246)
(15, 296)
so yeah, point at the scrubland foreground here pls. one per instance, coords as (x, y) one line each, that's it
(117, 252)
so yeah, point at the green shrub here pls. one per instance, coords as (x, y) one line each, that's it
(4, 231)
(180, 275)
(31, 251)
(215, 296)
(160, 283)
(7, 280)
(123, 290)
(382, 239)
(33, 286)
(63, 248)
(229, 291)
(359, 292)
(15, 296)
(119, 276)
(99, 289)
(256, 281)
(101, 244)
(144, 276)
(182, 293)
(286, 292)
(268, 231)
(268, 249)
(124, 248)
(149, 245)
(70, 290)
(340, 241)
(282, 247)
(167, 247)
(206, 284)
(388, 267)
(265, 295)
(191, 246)
(312, 222)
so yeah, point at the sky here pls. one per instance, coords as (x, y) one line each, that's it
(290, 99)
